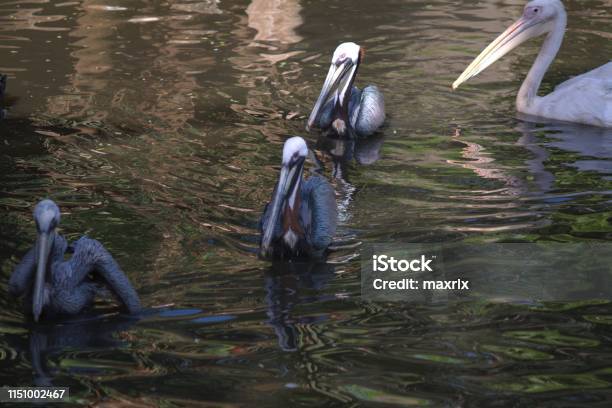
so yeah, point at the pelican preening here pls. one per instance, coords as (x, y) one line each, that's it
(300, 221)
(585, 99)
(348, 112)
(66, 287)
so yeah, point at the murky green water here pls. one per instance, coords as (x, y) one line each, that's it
(157, 127)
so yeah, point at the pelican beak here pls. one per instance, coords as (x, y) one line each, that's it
(288, 182)
(335, 75)
(43, 248)
(519, 32)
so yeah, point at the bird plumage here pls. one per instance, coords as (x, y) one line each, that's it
(317, 220)
(366, 111)
(586, 99)
(67, 287)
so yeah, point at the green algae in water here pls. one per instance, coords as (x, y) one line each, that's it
(371, 395)
(518, 353)
(551, 338)
(555, 382)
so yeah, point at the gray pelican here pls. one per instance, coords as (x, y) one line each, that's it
(300, 221)
(66, 287)
(349, 111)
(586, 98)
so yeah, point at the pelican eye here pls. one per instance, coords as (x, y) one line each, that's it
(341, 59)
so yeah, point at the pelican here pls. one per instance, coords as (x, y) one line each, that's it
(585, 99)
(300, 221)
(66, 287)
(348, 112)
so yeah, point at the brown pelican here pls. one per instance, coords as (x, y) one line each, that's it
(66, 287)
(585, 99)
(300, 221)
(347, 112)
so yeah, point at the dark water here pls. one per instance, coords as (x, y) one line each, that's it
(157, 127)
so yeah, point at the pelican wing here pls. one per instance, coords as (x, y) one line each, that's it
(600, 73)
(586, 99)
(319, 212)
(23, 274)
(90, 256)
(369, 113)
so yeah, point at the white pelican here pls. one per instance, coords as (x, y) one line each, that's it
(586, 98)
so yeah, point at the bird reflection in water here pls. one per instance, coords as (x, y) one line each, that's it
(275, 21)
(284, 281)
(86, 333)
(591, 143)
(541, 139)
(364, 151)
(342, 152)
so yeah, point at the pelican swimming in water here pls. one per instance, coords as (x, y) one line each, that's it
(300, 221)
(349, 111)
(586, 98)
(66, 287)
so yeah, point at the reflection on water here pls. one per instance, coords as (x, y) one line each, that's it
(49, 341)
(284, 281)
(275, 20)
(158, 128)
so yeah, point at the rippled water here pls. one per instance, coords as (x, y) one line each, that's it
(157, 127)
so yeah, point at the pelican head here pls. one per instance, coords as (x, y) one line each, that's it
(287, 193)
(47, 218)
(340, 77)
(539, 17)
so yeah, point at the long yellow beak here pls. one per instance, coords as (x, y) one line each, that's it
(519, 32)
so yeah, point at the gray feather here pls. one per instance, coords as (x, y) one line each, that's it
(366, 111)
(72, 286)
(369, 114)
(321, 207)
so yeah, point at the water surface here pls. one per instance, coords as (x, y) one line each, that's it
(157, 127)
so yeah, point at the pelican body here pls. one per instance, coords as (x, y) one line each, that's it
(54, 286)
(585, 99)
(342, 109)
(300, 221)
